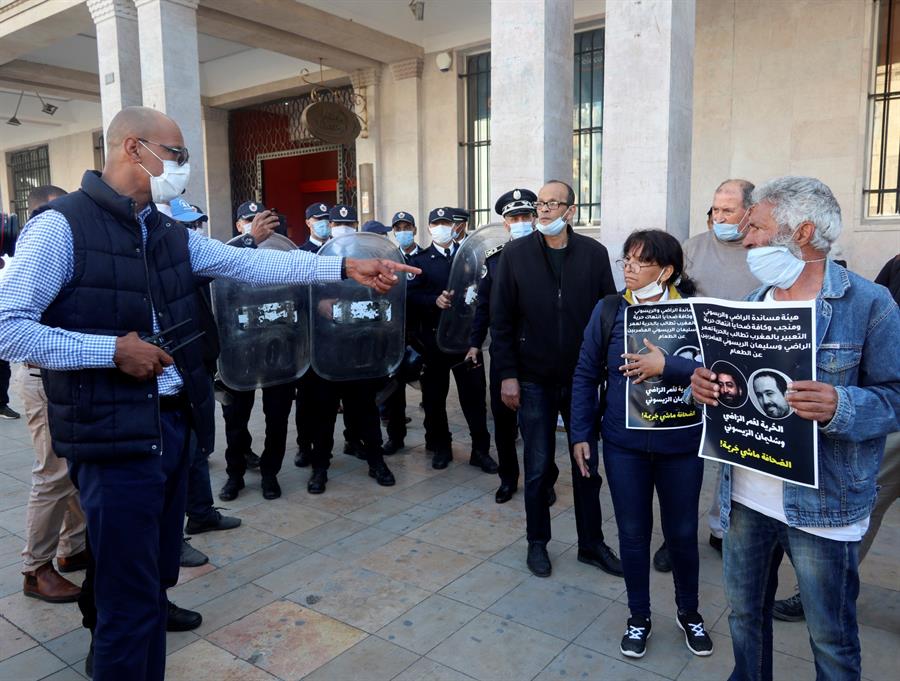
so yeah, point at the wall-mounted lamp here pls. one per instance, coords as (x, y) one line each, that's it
(13, 120)
(47, 107)
(417, 7)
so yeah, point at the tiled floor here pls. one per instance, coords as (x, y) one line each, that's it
(422, 581)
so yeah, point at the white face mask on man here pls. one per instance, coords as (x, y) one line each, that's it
(169, 184)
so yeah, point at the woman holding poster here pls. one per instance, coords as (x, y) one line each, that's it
(637, 461)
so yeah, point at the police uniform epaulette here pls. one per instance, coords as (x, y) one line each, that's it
(493, 251)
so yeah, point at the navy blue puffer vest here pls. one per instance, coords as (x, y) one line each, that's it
(104, 414)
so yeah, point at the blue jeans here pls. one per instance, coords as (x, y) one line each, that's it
(199, 488)
(538, 407)
(632, 476)
(828, 576)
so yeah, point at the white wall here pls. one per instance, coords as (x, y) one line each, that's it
(781, 88)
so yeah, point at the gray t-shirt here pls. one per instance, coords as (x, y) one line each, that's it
(719, 268)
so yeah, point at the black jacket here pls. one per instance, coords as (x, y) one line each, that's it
(890, 277)
(537, 324)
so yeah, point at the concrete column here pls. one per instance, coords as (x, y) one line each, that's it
(532, 47)
(118, 55)
(367, 85)
(218, 172)
(170, 75)
(647, 118)
(401, 131)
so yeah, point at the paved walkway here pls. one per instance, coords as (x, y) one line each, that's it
(422, 581)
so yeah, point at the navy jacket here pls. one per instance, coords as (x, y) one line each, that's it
(422, 291)
(482, 319)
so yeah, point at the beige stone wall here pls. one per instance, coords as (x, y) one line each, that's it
(781, 88)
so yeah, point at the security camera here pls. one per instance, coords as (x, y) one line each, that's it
(443, 61)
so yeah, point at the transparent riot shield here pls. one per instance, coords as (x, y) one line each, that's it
(466, 273)
(357, 332)
(263, 331)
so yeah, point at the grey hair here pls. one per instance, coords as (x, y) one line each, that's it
(796, 200)
(746, 188)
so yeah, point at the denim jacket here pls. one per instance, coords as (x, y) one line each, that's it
(858, 352)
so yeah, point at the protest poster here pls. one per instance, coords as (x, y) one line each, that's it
(756, 351)
(651, 404)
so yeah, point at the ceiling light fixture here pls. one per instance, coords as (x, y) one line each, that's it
(47, 107)
(13, 120)
(417, 7)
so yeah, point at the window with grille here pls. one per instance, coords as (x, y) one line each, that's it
(588, 125)
(478, 138)
(883, 193)
(29, 169)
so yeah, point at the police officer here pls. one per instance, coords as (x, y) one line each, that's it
(319, 233)
(427, 296)
(404, 226)
(516, 207)
(460, 226)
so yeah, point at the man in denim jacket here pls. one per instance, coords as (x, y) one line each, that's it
(793, 223)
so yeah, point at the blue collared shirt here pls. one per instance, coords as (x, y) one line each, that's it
(44, 265)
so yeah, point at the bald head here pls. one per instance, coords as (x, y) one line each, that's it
(142, 122)
(740, 188)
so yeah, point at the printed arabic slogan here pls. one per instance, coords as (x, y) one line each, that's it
(756, 351)
(652, 404)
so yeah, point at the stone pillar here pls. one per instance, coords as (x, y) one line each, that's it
(366, 84)
(218, 172)
(647, 118)
(532, 47)
(170, 75)
(118, 55)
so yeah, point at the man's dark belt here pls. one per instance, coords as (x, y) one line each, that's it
(177, 402)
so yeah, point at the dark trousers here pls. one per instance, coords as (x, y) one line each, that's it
(471, 386)
(506, 429)
(4, 382)
(539, 405)
(632, 476)
(199, 487)
(360, 418)
(305, 425)
(277, 402)
(394, 410)
(135, 513)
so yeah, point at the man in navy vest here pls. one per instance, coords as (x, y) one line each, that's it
(96, 274)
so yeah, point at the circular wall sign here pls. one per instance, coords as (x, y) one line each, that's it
(331, 122)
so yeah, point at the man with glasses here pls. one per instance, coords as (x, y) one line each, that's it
(546, 287)
(101, 296)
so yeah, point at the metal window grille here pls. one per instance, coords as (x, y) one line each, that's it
(587, 136)
(30, 168)
(882, 196)
(478, 138)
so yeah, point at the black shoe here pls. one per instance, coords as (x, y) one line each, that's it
(231, 488)
(191, 557)
(483, 460)
(504, 492)
(442, 458)
(634, 642)
(538, 559)
(301, 458)
(7, 413)
(89, 661)
(392, 447)
(317, 480)
(252, 461)
(180, 619)
(551, 497)
(605, 559)
(789, 610)
(270, 487)
(354, 449)
(695, 636)
(382, 474)
(716, 543)
(661, 561)
(213, 523)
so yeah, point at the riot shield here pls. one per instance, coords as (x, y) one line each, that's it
(468, 269)
(263, 331)
(357, 332)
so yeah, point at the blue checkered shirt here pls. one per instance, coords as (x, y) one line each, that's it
(44, 265)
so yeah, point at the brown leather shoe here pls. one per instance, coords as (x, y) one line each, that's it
(48, 585)
(74, 563)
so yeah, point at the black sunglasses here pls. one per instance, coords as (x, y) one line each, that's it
(181, 153)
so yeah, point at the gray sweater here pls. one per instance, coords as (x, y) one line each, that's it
(718, 268)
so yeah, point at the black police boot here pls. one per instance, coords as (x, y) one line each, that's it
(382, 474)
(270, 487)
(392, 446)
(179, 619)
(302, 457)
(538, 559)
(231, 488)
(483, 460)
(355, 448)
(505, 492)
(604, 558)
(252, 461)
(317, 480)
(442, 458)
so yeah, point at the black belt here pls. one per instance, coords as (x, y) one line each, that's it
(177, 402)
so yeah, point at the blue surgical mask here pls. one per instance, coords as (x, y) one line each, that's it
(553, 228)
(321, 229)
(726, 232)
(441, 234)
(404, 238)
(775, 265)
(520, 229)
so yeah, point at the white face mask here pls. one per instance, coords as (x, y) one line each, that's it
(171, 183)
(651, 290)
(342, 230)
(246, 227)
(441, 234)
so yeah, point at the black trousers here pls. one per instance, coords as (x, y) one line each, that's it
(4, 382)
(506, 429)
(471, 386)
(395, 413)
(277, 402)
(304, 402)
